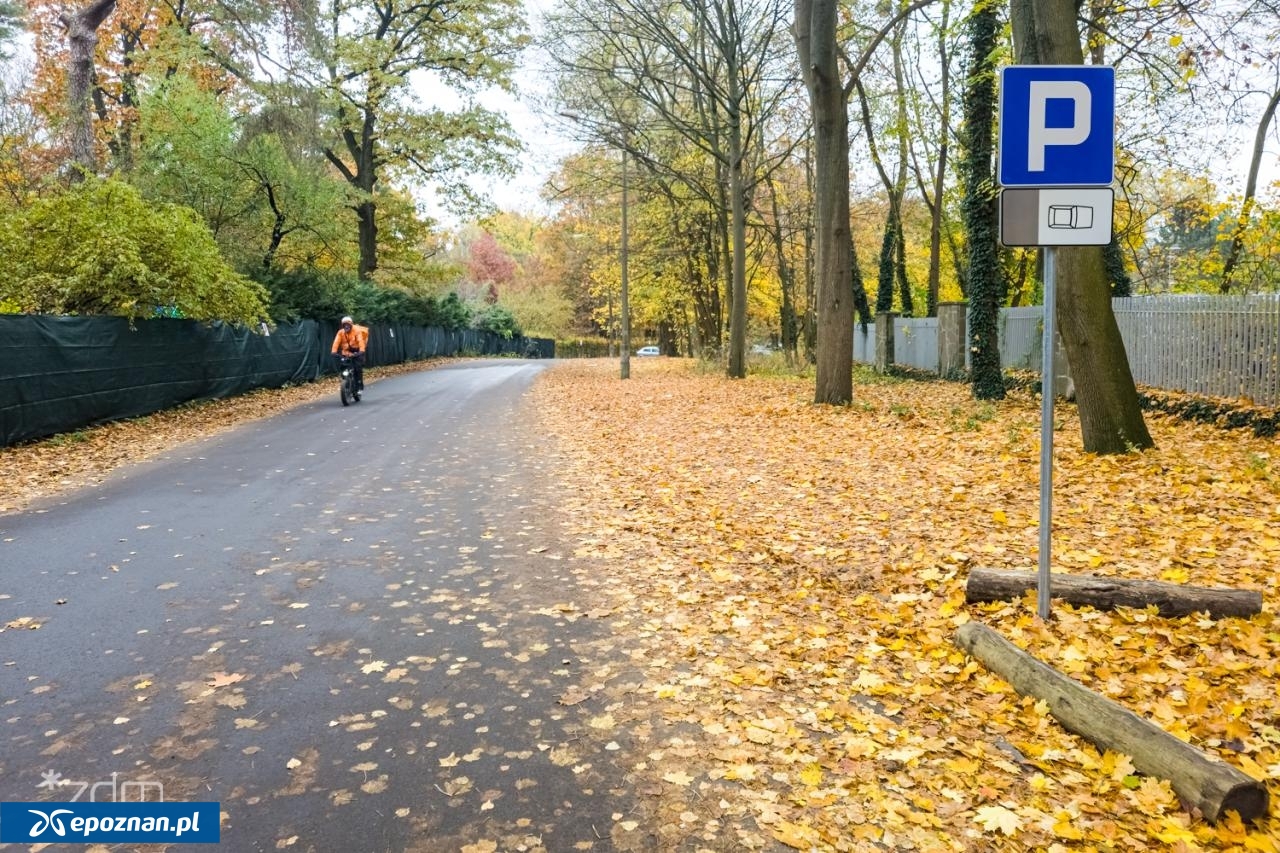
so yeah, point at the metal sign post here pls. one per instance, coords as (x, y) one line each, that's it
(1044, 581)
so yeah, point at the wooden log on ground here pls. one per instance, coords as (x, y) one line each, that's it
(1109, 593)
(1200, 781)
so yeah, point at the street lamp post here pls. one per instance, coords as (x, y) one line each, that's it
(626, 301)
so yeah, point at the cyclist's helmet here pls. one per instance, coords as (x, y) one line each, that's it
(347, 321)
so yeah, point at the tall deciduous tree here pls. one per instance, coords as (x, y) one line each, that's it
(370, 53)
(91, 63)
(836, 265)
(815, 34)
(1250, 193)
(264, 191)
(1045, 33)
(931, 175)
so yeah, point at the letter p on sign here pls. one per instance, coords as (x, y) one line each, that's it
(1039, 134)
(1057, 125)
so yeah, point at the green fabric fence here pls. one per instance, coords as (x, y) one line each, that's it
(63, 373)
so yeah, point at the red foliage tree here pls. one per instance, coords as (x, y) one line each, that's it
(490, 263)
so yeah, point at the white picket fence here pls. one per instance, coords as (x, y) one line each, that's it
(1218, 346)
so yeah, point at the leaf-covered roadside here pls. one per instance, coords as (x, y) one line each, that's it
(789, 578)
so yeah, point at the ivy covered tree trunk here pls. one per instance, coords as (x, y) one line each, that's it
(1045, 33)
(980, 204)
(860, 302)
(900, 266)
(893, 250)
(888, 256)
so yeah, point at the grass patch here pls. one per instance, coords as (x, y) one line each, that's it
(971, 419)
(67, 439)
(777, 364)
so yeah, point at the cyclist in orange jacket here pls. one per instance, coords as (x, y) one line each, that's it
(352, 341)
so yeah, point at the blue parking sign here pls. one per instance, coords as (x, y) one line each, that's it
(1057, 125)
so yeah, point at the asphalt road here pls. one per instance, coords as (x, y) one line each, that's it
(353, 628)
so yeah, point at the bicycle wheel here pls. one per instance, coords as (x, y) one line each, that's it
(344, 389)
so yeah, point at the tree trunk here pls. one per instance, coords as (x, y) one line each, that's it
(810, 263)
(713, 332)
(905, 299)
(624, 367)
(815, 34)
(786, 277)
(366, 217)
(1171, 599)
(1110, 415)
(937, 202)
(724, 236)
(1113, 256)
(738, 214)
(277, 235)
(886, 271)
(121, 145)
(935, 239)
(82, 41)
(1201, 782)
(980, 215)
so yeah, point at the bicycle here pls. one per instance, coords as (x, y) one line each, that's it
(347, 389)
